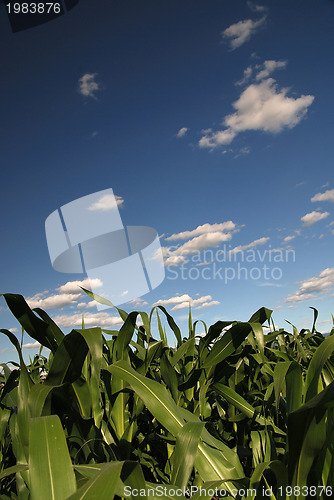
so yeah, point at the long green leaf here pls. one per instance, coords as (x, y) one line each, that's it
(101, 486)
(319, 358)
(185, 452)
(50, 468)
(226, 346)
(213, 461)
(240, 403)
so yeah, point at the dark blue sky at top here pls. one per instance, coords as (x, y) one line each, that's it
(160, 65)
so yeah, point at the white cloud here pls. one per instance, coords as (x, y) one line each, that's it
(321, 284)
(239, 33)
(253, 244)
(269, 67)
(289, 238)
(90, 319)
(256, 8)
(204, 236)
(213, 139)
(5, 349)
(173, 300)
(88, 85)
(313, 217)
(183, 301)
(53, 301)
(326, 196)
(74, 286)
(201, 242)
(208, 304)
(182, 132)
(242, 152)
(107, 202)
(87, 305)
(247, 74)
(138, 302)
(261, 106)
(32, 345)
(203, 229)
(69, 295)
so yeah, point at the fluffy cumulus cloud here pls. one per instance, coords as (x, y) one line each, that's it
(312, 287)
(88, 86)
(326, 196)
(69, 295)
(182, 301)
(87, 305)
(239, 33)
(53, 301)
(313, 217)
(199, 239)
(90, 319)
(32, 345)
(261, 106)
(182, 132)
(107, 202)
(74, 286)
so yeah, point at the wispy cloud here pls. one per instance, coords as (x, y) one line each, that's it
(257, 8)
(203, 229)
(138, 302)
(313, 217)
(289, 238)
(246, 76)
(253, 244)
(182, 132)
(199, 239)
(261, 106)
(317, 285)
(239, 33)
(88, 85)
(107, 202)
(326, 196)
(268, 68)
(203, 241)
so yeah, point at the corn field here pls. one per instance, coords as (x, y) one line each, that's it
(239, 408)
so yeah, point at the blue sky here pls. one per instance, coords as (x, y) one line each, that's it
(212, 121)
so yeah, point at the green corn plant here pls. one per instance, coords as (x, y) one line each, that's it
(110, 412)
